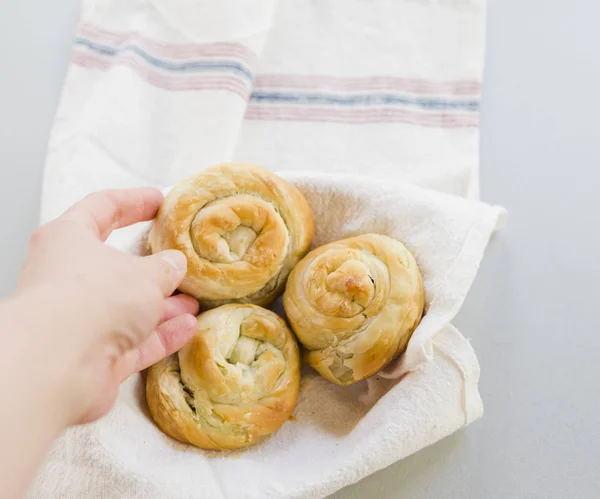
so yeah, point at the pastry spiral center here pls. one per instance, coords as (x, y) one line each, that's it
(245, 359)
(341, 286)
(239, 228)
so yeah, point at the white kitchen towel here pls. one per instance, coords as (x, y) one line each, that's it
(160, 88)
(156, 89)
(390, 87)
(321, 92)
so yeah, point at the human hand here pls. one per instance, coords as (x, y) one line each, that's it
(107, 314)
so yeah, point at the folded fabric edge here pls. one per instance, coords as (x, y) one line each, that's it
(462, 355)
(454, 290)
(451, 348)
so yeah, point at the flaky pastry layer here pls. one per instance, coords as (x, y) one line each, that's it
(242, 229)
(354, 304)
(232, 385)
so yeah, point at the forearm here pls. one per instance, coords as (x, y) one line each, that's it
(86, 315)
(33, 386)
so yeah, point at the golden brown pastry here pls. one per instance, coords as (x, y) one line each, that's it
(242, 229)
(354, 305)
(233, 384)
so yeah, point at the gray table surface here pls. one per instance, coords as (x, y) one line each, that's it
(531, 312)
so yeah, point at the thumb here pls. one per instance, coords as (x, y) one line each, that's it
(168, 269)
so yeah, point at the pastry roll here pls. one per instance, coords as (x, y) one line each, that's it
(233, 384)
(354, 305)
(242, 229)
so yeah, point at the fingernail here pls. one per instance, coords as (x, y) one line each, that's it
(174, 258)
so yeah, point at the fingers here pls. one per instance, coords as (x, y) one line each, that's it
(167, 269)
(104, 211)
(178, 305)
(166, 339)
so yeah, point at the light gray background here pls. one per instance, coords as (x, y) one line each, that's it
(532, 311)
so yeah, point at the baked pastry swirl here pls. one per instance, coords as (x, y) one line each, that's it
(354, 305)
(233, 384)
(242, 229)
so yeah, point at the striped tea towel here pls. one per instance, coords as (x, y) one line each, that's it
(384, 87)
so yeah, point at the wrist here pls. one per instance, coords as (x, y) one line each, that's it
(31, 327)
